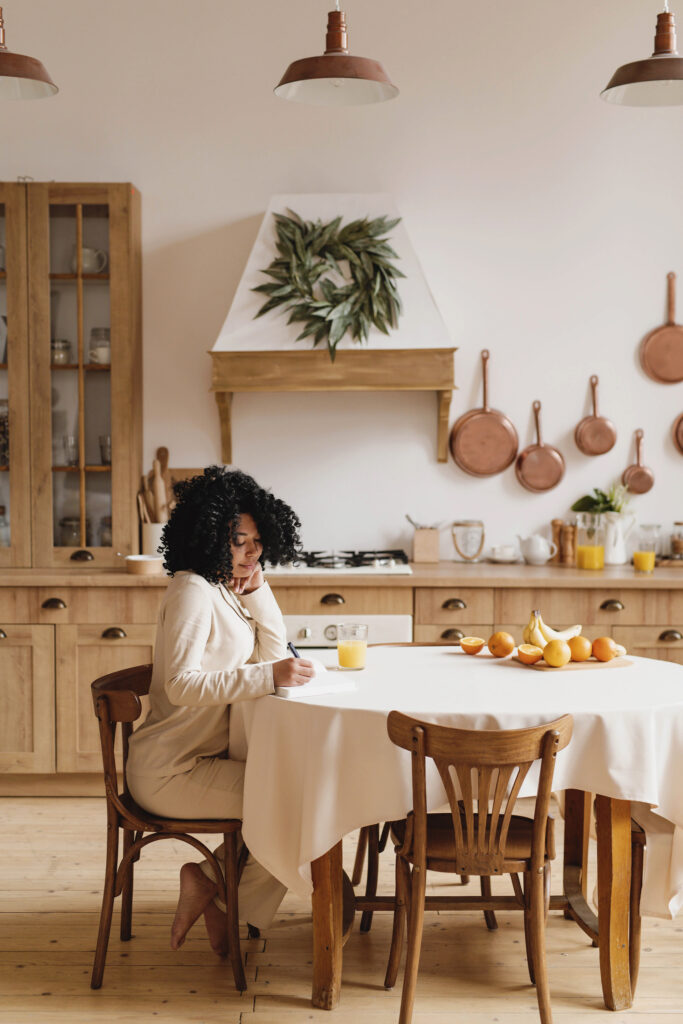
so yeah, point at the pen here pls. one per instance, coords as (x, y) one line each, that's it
(294, 650)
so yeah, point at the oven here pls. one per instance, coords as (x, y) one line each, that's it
(321, 630)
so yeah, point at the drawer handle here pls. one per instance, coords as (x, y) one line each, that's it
(332, 599)
(82, 556)
(670, 634)
(454, 604)
(452, 634)
(3, 634)
(612, 605)
(114, 633)
(53, 602)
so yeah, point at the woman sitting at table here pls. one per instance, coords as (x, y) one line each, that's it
(220, 639)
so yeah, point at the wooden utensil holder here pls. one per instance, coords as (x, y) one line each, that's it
(426, 545)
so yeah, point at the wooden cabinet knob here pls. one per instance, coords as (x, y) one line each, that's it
(3, 634)
(82, 556)
(670, 635)
(332, 599)
(612, 605)
(114, 633)
(53, 602)
(452, 634)
(454, 604)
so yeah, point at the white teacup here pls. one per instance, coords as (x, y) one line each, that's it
(504, 552)
(93, 261)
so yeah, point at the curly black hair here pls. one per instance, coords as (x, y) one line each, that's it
(198, 534)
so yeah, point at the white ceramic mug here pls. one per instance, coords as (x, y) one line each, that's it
(93, 261)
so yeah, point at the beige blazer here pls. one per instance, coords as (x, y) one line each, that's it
(212, 649)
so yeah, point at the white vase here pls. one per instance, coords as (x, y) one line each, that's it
(618, 525)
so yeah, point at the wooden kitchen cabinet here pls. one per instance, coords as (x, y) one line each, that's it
(27, 721)
(450, 607)
(83, 654)
(664, 643)
(344, 600)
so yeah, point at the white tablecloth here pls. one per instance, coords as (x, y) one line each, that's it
(319, 768)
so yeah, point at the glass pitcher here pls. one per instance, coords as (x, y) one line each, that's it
(590, 541)
(468, 538)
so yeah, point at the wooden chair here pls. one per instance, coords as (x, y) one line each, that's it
(477, 768)
(116, 698)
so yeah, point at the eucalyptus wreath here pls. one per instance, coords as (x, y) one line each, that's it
(329, 306)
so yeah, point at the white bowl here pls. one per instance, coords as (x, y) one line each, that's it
(144, 565)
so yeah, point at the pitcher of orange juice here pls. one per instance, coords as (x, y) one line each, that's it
(590, 541)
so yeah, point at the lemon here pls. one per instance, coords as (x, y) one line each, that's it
(557, 653)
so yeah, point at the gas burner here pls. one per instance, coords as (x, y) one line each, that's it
(353, 559)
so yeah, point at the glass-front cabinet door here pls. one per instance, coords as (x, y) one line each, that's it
(84, 280)
(15, 535)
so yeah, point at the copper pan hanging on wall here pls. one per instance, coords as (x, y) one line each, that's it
(540, 467)
(638, 478)
(483, 441)
(661, 351)
(677, 433)
(595, 434)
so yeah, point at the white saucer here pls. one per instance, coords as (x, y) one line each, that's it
(504, 561)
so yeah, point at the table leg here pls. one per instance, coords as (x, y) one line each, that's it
(577, 818)
(613, 824)
(327, 904)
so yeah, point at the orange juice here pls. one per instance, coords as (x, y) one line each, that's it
(590, 556)
(643, 561)
(351, 653)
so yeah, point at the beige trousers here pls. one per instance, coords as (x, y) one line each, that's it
(213, 789)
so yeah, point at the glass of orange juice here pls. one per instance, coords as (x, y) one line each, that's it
(352, 643)
(644, 556)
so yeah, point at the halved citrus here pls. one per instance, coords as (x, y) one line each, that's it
(529, 654)
(472, 644)
(581, 648)
(604, 648)
(557, 653)
(501, 644)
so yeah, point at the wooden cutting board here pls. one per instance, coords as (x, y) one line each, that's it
(541, 666)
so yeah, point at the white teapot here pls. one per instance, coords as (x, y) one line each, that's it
(536, 549)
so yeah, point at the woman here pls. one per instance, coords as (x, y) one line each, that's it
(220, 639)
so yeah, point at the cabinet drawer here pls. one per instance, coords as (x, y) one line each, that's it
(430, 634)
(349, 600)
(442, 605)
(18, 604)
(110, 605)
(663, 642)
(608, 606)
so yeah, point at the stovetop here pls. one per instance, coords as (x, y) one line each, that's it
(391, 562)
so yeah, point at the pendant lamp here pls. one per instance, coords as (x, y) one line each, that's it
(656, 81)
(336, 79)
(22, 78)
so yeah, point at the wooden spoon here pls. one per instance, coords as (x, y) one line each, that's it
(638, 478)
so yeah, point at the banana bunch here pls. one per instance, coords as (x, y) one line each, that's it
(538, 634)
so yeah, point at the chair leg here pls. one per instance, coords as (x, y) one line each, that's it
(634, 916)
(373, 872)
(546, 891)
(536, 903)
(107, 906)
(527, 930)
(357, 873)
(415, 925)
(127, 891)
(489, 915)
(400, 913)
(386, 829)
(232, 911)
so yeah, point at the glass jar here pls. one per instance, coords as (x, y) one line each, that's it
(4, 432)
(70, 532)
(677, 540)
(590, 541)
(468, 538)
(60, 351)
(105, 531)
(4, 528)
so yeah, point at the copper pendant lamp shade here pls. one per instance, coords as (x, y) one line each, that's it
(654, 82)
(22, 78)
(336, 79)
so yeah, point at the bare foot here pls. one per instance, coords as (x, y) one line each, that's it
(196, 892)
(216, 927)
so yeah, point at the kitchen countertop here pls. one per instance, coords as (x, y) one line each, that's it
(443, 574)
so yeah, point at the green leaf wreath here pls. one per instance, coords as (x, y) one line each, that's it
(310, 250)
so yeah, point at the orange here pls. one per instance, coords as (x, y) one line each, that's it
(472, 644)
(604, 648)
(529, 654)
(501, 644)
(581, 648)
(557, 653)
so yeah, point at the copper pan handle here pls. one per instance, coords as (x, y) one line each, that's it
(594, 389)
(639, 447)
(485, 372)
(671, 298)
(537, 418)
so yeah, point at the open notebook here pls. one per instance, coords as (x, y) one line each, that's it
(322, 682)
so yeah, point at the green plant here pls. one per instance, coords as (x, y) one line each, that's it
(615, 500)
(329, 306)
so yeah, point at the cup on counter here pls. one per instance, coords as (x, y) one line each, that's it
(352, 645)
(644, 555)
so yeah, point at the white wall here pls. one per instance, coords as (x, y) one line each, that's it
(545, 221)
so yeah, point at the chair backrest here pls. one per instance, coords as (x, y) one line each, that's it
(482, 772)
(116, 699)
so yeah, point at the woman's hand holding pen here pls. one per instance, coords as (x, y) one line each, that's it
(292, 672)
